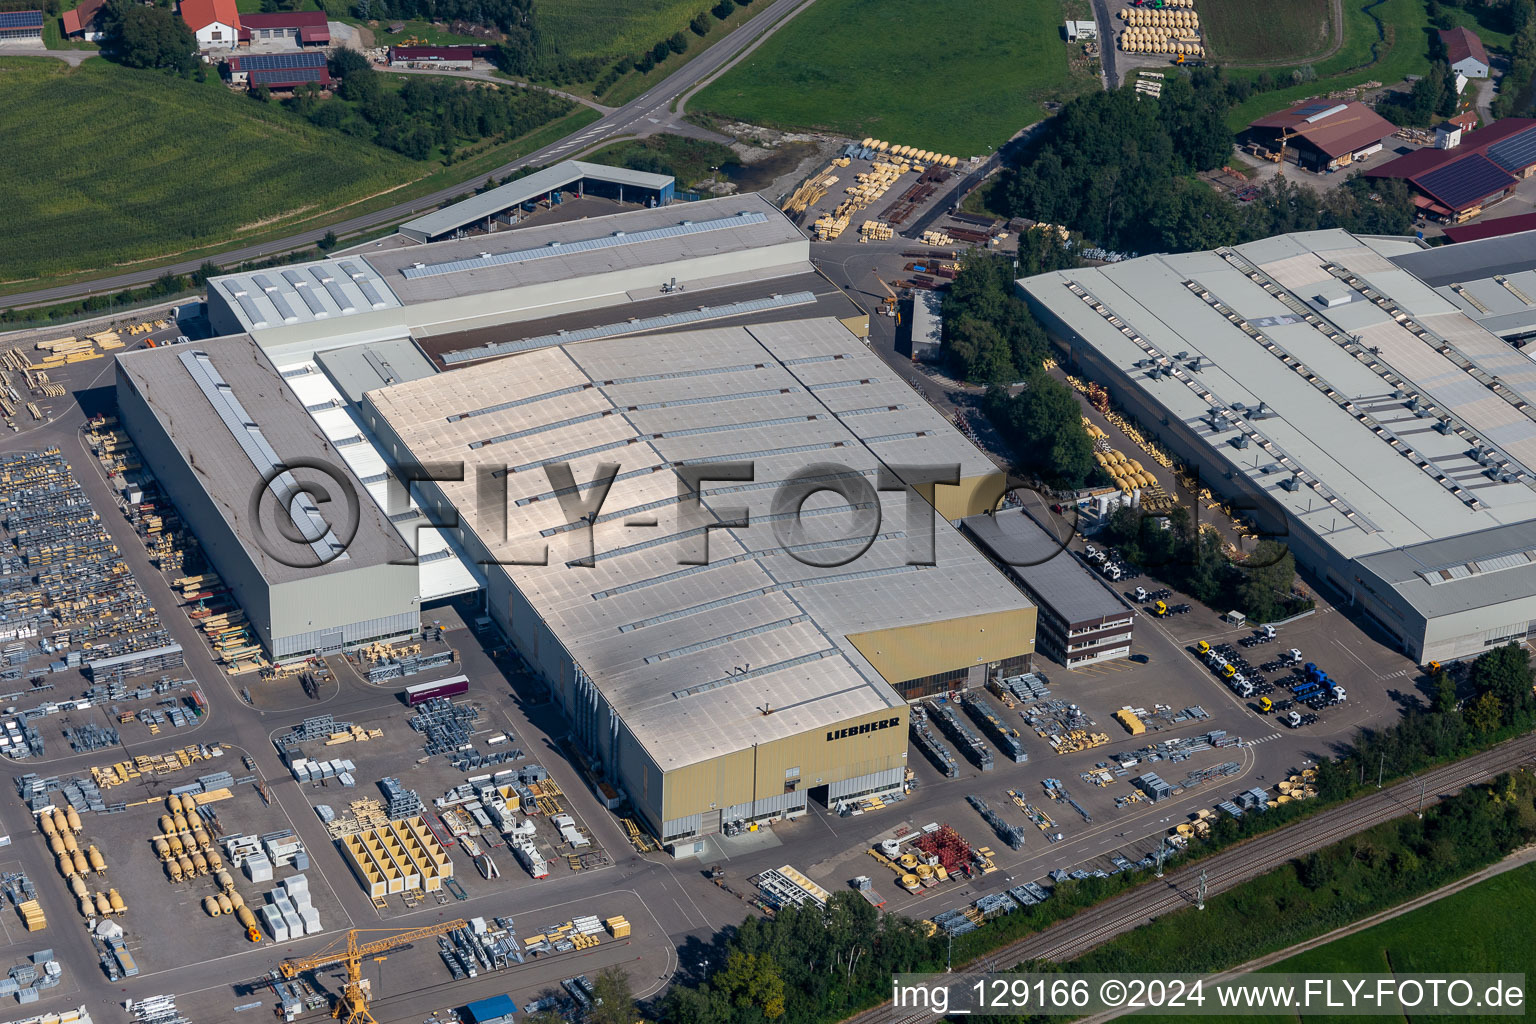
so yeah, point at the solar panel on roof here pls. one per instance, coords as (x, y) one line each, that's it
(272, 61)
(1310, 109)
(1516, 152)
(1463, 182)
(289, 75)
(21, 19)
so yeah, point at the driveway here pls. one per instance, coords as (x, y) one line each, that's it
(74, 58)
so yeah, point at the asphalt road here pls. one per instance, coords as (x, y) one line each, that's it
(639, 116)
(1097, 925)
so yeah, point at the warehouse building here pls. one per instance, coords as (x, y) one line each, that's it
(1320, 135)
(1081, 621)
(1464, 52)
(459, 58)
(228, 441)
(1492, 228)
(716, 671)
(1345, 405)
(603, 272)
(502, 205)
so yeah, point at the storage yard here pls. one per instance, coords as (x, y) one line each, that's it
(1174, 29)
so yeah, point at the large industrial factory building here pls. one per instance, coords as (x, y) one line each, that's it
(645, 346)
(780, 668)
(1356, 412)
(218, 427)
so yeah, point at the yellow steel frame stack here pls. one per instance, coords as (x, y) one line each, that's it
(396, 857)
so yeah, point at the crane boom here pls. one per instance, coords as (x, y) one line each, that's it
(352, 1006)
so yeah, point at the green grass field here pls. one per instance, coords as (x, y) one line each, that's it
(596, 28)
(1474, 930)
(1401, 48)
(1240, 31)
(148, 164)
(687, 160)
(1486, 22)
(907, 71)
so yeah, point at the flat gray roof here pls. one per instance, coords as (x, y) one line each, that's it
(361, 368)
(1350, 394)
(1474, 570)
(725, 303)
(304, 292)
(666, 641)
(549, 253)
(514, 193)
(1043, 564)
(203, 439)
(1469, 261)
(1491, 280)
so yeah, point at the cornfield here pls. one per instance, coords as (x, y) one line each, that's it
(593, 28)
(105, 165)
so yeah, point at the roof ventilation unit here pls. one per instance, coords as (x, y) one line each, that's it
(1290, 483)
(1240, 441)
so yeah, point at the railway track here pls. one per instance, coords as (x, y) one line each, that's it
(1096, 925)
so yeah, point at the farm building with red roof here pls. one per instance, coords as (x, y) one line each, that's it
(84, 22)
(1458, 183)
(287, 70)
(300, 28)
(1320, 134)
(215, 23)
(1464, 52)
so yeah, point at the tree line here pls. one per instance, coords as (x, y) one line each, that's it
(527, 51)
(1119, 168)
(1171, 548)
(990, 337)
(426, 115)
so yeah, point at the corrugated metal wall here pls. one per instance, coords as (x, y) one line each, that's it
(364, 604)
(913, 652)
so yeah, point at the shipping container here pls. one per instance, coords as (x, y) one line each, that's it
(442, 688)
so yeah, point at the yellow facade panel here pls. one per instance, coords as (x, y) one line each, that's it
(973, 496)
(860, 746)
(913, 652)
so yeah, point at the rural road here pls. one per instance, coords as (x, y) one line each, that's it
(640, 116)
(1096, 925)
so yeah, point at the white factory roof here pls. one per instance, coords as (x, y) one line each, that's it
(1347, 365)
(487, 204)
(305, 292)
(443, 571)
(550, 253)
(687, 654)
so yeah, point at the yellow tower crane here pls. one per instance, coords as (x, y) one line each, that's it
(1287, 134)
(352, 1005)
